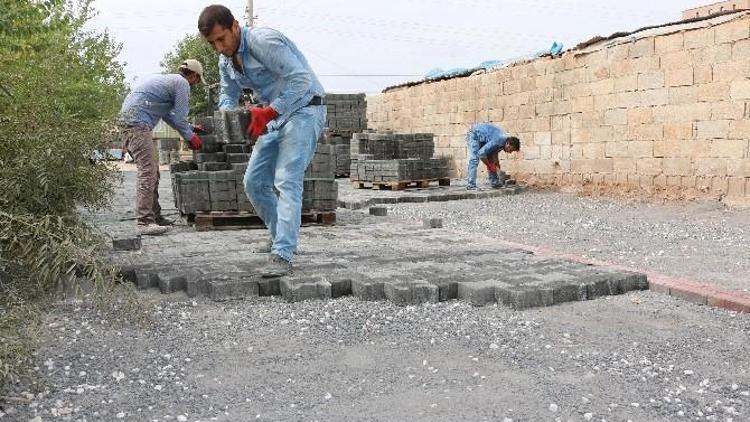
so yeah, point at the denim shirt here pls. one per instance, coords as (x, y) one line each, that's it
(274, 69)
(490, 138)
(159, 97)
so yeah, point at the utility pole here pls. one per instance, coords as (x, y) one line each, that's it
(250, 13)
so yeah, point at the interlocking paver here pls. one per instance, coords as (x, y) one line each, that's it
(368, 257)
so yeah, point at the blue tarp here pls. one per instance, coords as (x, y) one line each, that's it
(438, 73)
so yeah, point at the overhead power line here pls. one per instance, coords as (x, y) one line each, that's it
(369, 76)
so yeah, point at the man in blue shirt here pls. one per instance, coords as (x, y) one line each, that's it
(286, 127)
(162, 97)
(484, 141)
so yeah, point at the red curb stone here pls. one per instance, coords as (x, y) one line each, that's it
(731, 302)
(691, 295)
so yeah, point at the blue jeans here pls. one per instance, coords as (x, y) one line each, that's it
(472, 150)
(279, 160)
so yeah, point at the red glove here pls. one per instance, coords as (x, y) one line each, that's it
(195, 142)
(259, 118)
(492, 167)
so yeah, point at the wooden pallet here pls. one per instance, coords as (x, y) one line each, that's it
(238, 220)
(400, 185)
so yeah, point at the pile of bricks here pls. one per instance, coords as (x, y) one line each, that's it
(346, 115)
(168, 150)
(214, 179)
(320, 189)
(341, 152)
(390, 157)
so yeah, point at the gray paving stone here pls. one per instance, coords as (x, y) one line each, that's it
(297, 290)
(126, 242)
(233, 288)
(479, 293)
(368, 289)
(524, 297)
(340, 287)
(146, 280)
(411, 292)
(269, 287)
(171, 282)
(433, 223)
(379, 211)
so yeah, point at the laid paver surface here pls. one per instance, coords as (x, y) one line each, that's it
(372, 258)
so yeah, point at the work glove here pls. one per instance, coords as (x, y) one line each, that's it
(259, 118)
(199, 129)
(492, 167)
(195, 142)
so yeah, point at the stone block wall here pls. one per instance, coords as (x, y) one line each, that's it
(664, 107)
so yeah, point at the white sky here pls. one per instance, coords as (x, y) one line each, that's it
(386, 37)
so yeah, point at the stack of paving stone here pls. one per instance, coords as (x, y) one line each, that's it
(342, 152)
(210, 182)
(346, 114)
(320, 187)
(214, 180)
(394, 157)
(168, 150)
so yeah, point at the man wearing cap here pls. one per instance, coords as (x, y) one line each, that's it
(483, 142)
(162, 97)
(286, 127)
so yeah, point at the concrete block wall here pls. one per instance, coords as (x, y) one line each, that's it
(669, 109)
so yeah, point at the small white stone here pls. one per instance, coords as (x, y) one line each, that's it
(553, 407)
(588, 416)
(182, 418)
(120, 415)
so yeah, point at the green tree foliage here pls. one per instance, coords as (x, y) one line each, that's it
(60, 90)
(195, 47)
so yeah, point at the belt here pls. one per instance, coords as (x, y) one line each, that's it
(316, 100)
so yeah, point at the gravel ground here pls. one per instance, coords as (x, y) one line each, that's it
(641, 357)
(701, 241)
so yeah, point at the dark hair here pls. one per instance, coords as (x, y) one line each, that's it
(514, 142)
(213, 15)
(185, 71)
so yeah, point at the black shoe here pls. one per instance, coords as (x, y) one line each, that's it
(164, 221)
(276, 267)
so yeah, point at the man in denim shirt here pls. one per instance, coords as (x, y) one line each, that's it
(484, 141)
(158, 97)
(286, 127)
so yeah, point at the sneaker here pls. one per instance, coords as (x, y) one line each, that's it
(264, 247)
(496, 186)
(160, 220)
(276, 267)
(471, 188)
(152, 229)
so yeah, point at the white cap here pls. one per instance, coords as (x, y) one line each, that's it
(193, 66)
